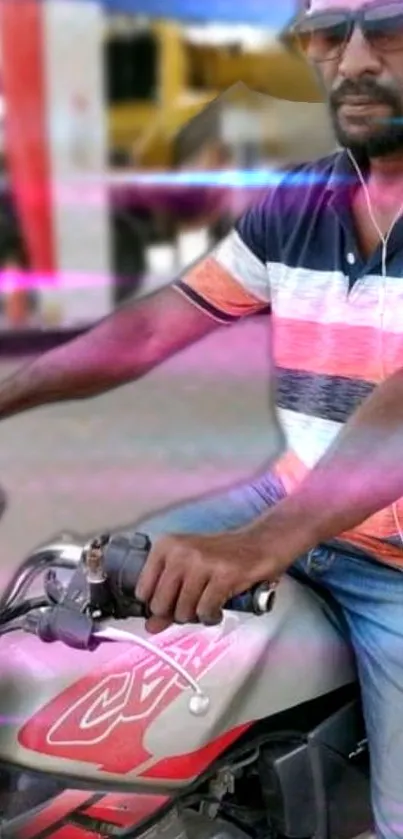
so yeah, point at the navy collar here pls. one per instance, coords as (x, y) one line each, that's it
(343, 173)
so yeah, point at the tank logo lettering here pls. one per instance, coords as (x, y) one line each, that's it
(89, 721)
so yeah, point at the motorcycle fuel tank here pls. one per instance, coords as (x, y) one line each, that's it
(121, 714)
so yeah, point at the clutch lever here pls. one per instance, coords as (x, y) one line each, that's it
(79, 631)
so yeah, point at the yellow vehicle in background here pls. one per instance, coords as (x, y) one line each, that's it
(187, 98)
(161, 74)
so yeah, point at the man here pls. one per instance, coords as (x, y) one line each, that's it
(321, 250)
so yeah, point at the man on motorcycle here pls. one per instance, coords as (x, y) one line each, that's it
(325, 250)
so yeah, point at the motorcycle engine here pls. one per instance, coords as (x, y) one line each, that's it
(25, 794)
(190, 825)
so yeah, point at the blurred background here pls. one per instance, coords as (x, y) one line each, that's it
(132, 135)
(109, 118)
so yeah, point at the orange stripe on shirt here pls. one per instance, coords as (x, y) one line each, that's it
(219, 288)
(291, 471)
(381, 525)
(383, 551)
(368, 534)
(358, 352)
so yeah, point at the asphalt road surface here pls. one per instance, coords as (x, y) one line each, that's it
(199, 422)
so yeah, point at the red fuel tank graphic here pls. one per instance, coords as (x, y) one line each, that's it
(57, 818)
(103, 718)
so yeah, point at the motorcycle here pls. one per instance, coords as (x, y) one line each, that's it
(247, 730)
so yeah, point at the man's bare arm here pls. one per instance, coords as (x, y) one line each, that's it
(191, 575)
(361, 474)
(119, 349)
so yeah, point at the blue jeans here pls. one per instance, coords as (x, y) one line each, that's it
(371, 597)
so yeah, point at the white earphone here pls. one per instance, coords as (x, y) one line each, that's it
(382, 295)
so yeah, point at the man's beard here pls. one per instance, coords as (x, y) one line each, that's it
(379, 139)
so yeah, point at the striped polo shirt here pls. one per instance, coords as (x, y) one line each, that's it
(296, 252)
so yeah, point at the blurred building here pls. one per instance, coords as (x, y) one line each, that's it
(163, 74)
(108, 98)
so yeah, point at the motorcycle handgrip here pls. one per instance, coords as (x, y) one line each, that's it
(124, 556)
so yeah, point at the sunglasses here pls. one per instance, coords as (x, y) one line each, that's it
(323, 36)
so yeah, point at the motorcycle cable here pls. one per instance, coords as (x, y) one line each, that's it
(190, 799)
(21, 609)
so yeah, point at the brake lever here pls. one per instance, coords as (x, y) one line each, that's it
(199, 702)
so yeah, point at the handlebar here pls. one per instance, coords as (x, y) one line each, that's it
(102, 586)
(114, 565)
(58, 555)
